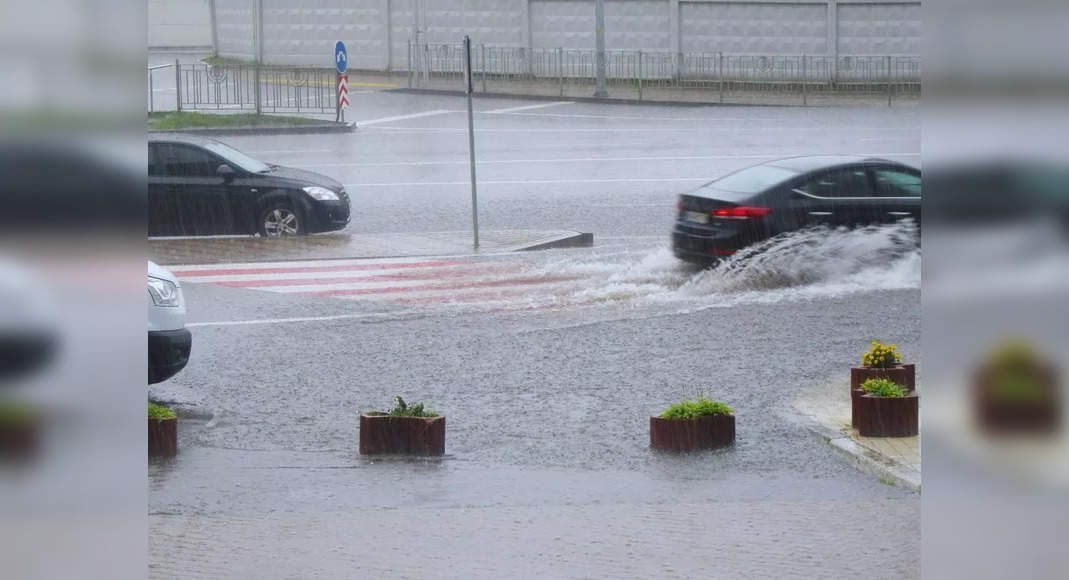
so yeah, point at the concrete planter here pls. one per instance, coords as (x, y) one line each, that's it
(386, 435)
(903, 374)
(886, 416)
(19, 440)
(163, 437)
(1003, 415)
(704, 432)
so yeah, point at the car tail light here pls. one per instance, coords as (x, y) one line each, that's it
(741, 212)
(719, 252)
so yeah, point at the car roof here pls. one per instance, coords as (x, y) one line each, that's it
(807, 163)
(179, 138)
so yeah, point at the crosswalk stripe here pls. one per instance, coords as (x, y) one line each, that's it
(482, 284)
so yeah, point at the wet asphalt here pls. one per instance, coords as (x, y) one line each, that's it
(548, 407)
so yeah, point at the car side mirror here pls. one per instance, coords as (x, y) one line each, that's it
(225, 171)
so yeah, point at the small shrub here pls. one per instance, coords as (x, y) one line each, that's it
(699, 407)
(881, 356)
(160, 412)
(17, 413)
(403, 409)
(883, 388)
(1017, 374)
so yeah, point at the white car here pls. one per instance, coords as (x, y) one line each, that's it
(169, 341)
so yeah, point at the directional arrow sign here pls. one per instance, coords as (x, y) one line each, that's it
(341, 57)
(343, 91)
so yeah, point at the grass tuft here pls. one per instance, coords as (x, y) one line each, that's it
(699, 407)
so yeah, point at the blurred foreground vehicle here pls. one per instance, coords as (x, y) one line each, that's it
(199, 186)
(759, 202)
(169, 341)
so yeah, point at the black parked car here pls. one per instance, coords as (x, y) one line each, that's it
(756, 203)
(199, 186)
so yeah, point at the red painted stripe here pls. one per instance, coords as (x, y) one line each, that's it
(429, 275)
(296, 269)
(435, 287)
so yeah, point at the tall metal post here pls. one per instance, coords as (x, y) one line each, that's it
(640, 75)
(151, 107)
(888, 80)
(483, 50)
(720, 72)
(560, 68)
(256, 87)
(599, 47)
(804, 76)
(177, 86)
(471, 139)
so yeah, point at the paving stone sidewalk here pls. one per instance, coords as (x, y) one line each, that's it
(826, 411)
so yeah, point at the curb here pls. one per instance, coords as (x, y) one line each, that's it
(866, 460)
(286, 130)
(576, 240)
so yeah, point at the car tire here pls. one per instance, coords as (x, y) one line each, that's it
(280, 220)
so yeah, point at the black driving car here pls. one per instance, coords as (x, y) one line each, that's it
(200, 186)
(759, 202)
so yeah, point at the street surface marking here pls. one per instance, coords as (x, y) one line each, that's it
(290, 320)
(584, 160)
(639, 118)
(559, 130)
(484, 285)
(533, 181)
(525, 108)
(402, 117)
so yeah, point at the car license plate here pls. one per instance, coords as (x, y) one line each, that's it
(696, 217)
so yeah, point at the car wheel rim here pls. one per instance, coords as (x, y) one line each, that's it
(280, 222)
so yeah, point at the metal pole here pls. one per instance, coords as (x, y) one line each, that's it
(560, 68)
(720, 71)
(256, 87)
(177, 86)
(804, 75)
(410, 63)
(599, 47)
(640, 75)
(151, 107)
(888, 80)
(471, 141)
(483, 47)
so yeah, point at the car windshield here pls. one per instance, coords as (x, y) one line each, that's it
(752, 179)
(237, 158)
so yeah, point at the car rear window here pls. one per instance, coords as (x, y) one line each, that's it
(752, 179)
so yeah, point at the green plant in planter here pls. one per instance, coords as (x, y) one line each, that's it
(1017, 374)
(881, 356)
(17, 413)
(160, 412)
(403, 409)
(700, 406)
(883, 388)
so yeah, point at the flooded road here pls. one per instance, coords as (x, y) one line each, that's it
(547, 366)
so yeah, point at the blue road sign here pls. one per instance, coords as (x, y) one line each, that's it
(341, 57)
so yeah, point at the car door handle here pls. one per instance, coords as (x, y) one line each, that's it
(899, 213)
(820, 213)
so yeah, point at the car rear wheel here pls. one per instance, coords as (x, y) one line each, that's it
(280, 220)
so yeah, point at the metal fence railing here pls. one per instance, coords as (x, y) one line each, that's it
(638, 72)
(706, 77)
(247, 87)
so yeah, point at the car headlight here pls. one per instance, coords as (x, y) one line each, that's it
(321, 193)
(163, 292)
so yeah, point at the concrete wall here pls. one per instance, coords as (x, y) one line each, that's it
(377, 32)
(179, 23)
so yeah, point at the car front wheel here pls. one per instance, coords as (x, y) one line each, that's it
(280, 220)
